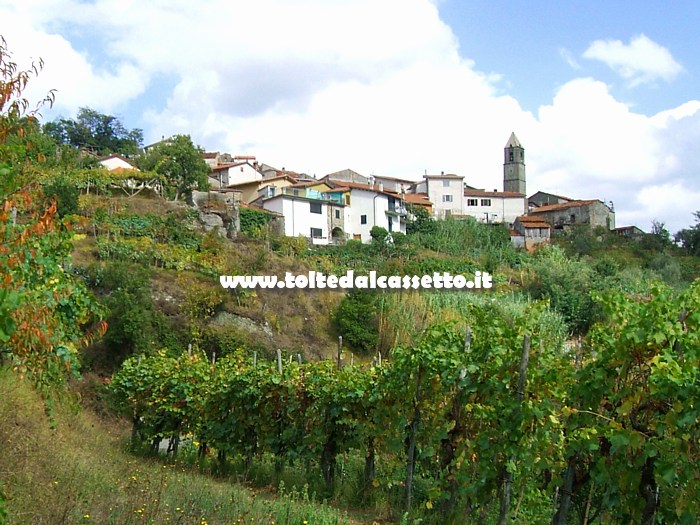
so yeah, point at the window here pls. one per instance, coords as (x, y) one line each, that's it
(472, 202)
(486, 202)
(447, 198)
(363, 219)
(347, 200)
(315, 207)
(391, 224)
(445, 183)
(337, 214)
(510, 155)
(316, 233)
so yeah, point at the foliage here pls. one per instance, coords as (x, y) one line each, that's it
(379, 235)
(135, 326)
(252, 221)
(356, 319)
(81, 473)
(420, 220)
(689, 238)
(65, 193)
(91, 130)
(634, 430)
(45, 309)
(180, 163)
(567, 284)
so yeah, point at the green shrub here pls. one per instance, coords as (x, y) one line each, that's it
(357, 320)
(66, 194)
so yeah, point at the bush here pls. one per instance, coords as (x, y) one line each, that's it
(66, 194)
(357, 320)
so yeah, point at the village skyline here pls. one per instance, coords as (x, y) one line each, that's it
(606, 104)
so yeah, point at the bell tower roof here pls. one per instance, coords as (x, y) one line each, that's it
(513, 141)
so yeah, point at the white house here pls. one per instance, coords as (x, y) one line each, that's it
(240, 171)
(494, 206)
(446, 192)
(368, 205)
(302, 216)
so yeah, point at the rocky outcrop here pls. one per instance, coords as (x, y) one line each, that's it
(218, 211)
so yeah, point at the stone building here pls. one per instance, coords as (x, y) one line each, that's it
(590, 212)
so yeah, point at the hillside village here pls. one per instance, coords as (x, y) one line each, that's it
(346, 205)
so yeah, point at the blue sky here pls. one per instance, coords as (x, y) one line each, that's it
(526, 43)
(603, 95)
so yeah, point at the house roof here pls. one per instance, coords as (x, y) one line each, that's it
(393, 179)
(528, 221)
(210, 154)
(421, 199)
(444, 176)
(635, 229)
(116, 156)
(551, 195)
(484, 193)
(564, 206)
(258, 208)
(345, 172)
(336, 186)
(302, 198)
(306, 183)
(266, 181)
(227, 165)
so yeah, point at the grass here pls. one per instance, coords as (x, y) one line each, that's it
(80, 472)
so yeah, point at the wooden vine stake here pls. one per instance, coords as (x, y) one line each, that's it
(340, 350)
(520, 394)
(279, 361)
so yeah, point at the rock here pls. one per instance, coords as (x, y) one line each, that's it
(248, 325)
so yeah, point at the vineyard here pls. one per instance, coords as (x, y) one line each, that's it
(566, 395)
(486, 423)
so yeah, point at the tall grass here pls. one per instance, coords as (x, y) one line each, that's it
(80, 473)
(405, 314)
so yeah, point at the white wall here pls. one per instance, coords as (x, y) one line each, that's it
(502, 209)
(437, 190)
(242, 173)
(298, 219)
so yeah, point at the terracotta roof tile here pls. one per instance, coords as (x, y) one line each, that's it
(418, 198)
(564, 206)
(532, 222)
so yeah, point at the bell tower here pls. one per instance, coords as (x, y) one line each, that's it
(514, 166)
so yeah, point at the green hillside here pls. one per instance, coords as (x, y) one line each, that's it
(135, 389)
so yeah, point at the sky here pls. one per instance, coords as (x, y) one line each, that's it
(604, 96)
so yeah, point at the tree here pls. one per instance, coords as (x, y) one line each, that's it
(689, 238)
(104, 134)
(659, 239)
(419, 220)
(180, 162)
(43, 308)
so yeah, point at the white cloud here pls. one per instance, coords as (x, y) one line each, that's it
(318, 86)
(569, 58)
(639, 62)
